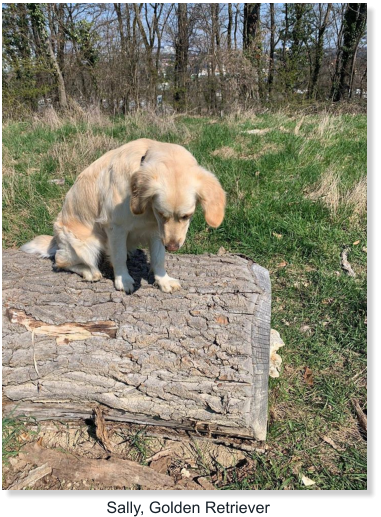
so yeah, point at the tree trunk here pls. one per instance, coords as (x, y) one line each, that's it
(292, 69)
(148, 41)
(236, 25)
(230, 25)
(197, 359)
(252, 44)
(60, 36)
(319, 53)
(272, 48)
(124, 58)
(181, 58)
(122, 36)
(251, 25)
(38, 24)
(216, 60)
(354, 25)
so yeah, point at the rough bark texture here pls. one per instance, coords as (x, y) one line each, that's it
(197, 359)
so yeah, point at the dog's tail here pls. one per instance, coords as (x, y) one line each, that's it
(44, 245)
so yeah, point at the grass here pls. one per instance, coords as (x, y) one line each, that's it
(296, 195)
(14, 431)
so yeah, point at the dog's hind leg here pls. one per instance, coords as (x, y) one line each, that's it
(78, 262)
(86, 272)
(79, 255)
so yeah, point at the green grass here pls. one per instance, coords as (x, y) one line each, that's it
(13, 428)
(274, 217)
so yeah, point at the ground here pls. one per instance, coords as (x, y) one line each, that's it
(296, 190)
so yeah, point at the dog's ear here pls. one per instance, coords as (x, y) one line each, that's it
(212, 198)
(140, 195)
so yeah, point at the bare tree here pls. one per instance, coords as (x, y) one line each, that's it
(230, 25)
(236, 17)
(222, 56)
(252, 44)
(181, 58)
(150, 34)
(319, 51)
(44, 44)
(270, 79)
(353, 30)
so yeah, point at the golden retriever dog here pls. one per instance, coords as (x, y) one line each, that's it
(143, 193)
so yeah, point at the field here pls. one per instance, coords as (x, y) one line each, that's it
(296, 190)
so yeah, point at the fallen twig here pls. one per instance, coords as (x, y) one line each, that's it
(32, 478)
(361, 416)
(101, 430)
(345, 265)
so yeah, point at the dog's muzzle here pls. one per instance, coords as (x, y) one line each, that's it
(172, 246)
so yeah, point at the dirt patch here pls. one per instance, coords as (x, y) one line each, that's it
(245, 153)
(258, 131)
(181, 458)
(226, 153)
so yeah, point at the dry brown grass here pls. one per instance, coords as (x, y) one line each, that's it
(50, 118)
(93, 116)
(240, 115)
(356, 199)
(160, 123)
(329, 192)
(74, 155)
(328, 125)
(246, 152)
(8, 163)
(225, 152)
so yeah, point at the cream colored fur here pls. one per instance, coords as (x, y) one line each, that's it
(143, 193)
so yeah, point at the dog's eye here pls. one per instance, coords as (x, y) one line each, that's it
(163, 217)
(186, 217)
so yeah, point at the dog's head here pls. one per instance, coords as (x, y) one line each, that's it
(172, 182)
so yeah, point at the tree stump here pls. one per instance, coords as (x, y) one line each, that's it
(195, 359)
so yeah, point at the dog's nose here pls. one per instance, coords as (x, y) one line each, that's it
(172, 246)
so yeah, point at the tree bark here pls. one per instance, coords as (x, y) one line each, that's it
(148, 37)
(270, 80)
(230, 25)
(197, 359)
(251, 25)
(319, 53)
(354, 25)
(181, 58)
(237, 13)
(214, 57)
(252, 44)
(60, 36)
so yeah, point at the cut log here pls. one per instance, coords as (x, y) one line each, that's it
(197, 359)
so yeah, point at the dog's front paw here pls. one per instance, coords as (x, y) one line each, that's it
(168, 284)
(124, 283)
